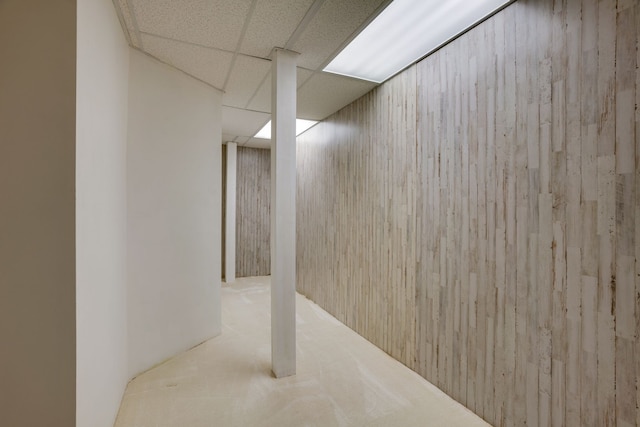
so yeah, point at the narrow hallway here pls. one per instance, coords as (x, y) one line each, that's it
(342, 380)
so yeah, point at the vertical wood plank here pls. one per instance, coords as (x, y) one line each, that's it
(625, 194)
(606, 213)
(637, 220)
(252, 212)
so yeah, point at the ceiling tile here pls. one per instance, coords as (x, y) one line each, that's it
(272, 24)
(262, 100)
(336, 21)
(208, 65)
(326, 93)
(246, 76)
(303, 76)
(240, 122)
(214, 23)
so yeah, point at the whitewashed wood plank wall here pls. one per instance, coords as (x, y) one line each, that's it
(253, 198)
(253, 224)
(476, 217)
(356, 230)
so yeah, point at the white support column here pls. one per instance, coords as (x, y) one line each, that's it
(230, 215)
(283, 212)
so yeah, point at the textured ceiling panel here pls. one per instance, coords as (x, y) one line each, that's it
(208, 65)
(303, 76)
(271, 25)
(262, 100)
(326, 93)
(239, 122)
(245, 78)
(336, 21)
(214, 23)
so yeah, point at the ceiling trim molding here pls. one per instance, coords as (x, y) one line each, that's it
(134, 22)
(245, 109)
(123, 23)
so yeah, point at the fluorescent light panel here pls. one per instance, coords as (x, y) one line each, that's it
(301, 127)
(406, 31)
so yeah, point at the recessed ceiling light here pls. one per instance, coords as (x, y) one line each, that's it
(406, 31)
(301, 126)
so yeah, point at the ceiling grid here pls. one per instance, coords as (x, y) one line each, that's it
(227, 44)
(240, 40)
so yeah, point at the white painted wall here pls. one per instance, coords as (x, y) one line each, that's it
(102, 102)
(37, 213)
(174, 212)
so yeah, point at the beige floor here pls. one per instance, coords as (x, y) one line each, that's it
(342, 379)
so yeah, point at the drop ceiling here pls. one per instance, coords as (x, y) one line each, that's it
(227, 44)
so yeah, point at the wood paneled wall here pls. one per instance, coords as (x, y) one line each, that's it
(253, 198)
(476, 216)
(356, 219)
(253, 224)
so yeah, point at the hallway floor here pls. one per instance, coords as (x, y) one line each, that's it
(342, 379)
